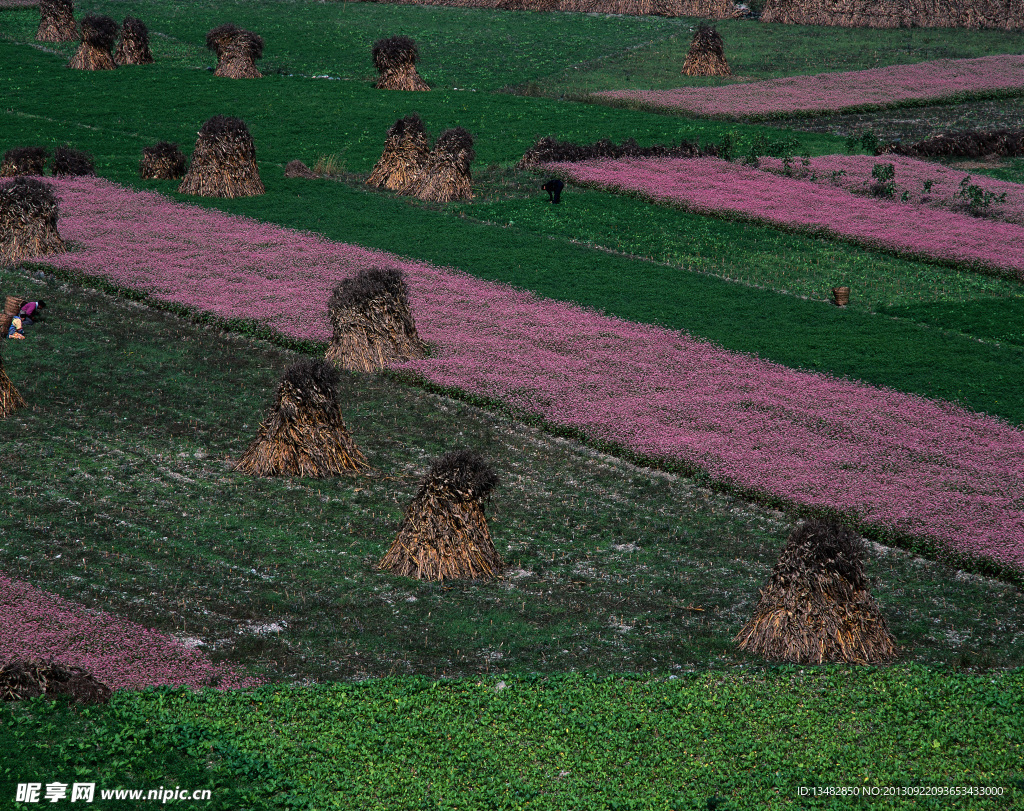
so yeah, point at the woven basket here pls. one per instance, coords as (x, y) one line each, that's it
(840, 296)
(5, 324)
(13, 305)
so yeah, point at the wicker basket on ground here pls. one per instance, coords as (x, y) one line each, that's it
(446, 175)
(21, 679)
(395, 60)
(72, 162)
(22, 161)
(444, 535)
(816, 608)
(224, 161)
(405, 155)
(707, 54)
(57, 21)
(372, 321)
(162, 161)
(28, 221)
(10, 397)
(237, 51)
(98, 35)
(133, 49)
(305, 434)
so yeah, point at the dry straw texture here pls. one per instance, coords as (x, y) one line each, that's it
(305, 434)
(550, 150)
(816, 608)
(237, 51)
(444, 535)
(98, 35)
(21, 679)
(966, 144)
(714, 9)
(1002, 14)
(224, 161)
(57, 21)
(707, 54)
(162, 161)
(404, 157)
(72, 162)
(372, 321)
(133, 49)
(395, 60)
(28, 221)
(297, 168)
(446, 175)
(10, 397)
(23, 160)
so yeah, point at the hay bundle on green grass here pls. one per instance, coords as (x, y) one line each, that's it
(162, 161)
(297, 168)
(72, 162)
(405, 155)
(10, 397)
(57, 21)
(816, 608)
(28, 221)
(305, 434)
(98, 35)
(446, 175)
(444, 535)
(707, 54)
(133, 49)
(21, 679)
(24, 160)
(224, 161)
(373, 323)
(395, 60)
(237, 51)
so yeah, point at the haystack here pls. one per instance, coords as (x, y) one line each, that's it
(444, 535)
(98, 35)
(10, 397)
(57, 21)
(373, 323)
(72, 162)
(297, 168)
(237, 51)
(162, 161)
(405, 155)
(446, 174)
(21, 679)
(305, 434)
(816, 608)
(395, 60)
(24, 160)
(224, 161)
(28, 221)
(707, 54)
(133, 49)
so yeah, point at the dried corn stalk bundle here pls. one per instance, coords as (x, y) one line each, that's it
(98, 35)
(395, 60)
(373, 323)
(162, 161)
(404, 157)
(133, 49)
(21, 679)
(57, 21)
(446, 175)
(816, 608)
(707, 54)
(10, 397)
(297, 168)
(25, 160)
(224, 161)
(237, 51)
(444, 535)
(28, 221)
(72, 162)
(305, 434)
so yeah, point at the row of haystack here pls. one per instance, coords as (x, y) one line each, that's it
(408, 166)
(28, 161)
(98, 36)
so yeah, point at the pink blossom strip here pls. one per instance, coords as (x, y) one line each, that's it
(829, 92)
(924, 467)
(121, 654)
(713, 186)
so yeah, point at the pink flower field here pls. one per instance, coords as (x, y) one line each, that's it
(924, 467)
(831, 92)
(38, 624)
(713, 186)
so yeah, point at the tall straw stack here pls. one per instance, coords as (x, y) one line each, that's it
(395, 60)
(162, 161)
(372, 321)
(23, 161)
(707, 54)
(237, 51)
(405, 155)
(224, 161)
(446, 175)
(133, 49)
(444, 535)
(28, 221)
(816, 608)
(98, 35)
(72, 162)
(305, 434)
(29, 678)
(10, 397)
(57, 21)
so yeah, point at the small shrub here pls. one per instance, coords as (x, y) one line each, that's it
(977, 199)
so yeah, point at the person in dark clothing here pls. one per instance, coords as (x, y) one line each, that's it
(31, 311)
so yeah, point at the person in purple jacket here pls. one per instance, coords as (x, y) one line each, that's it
(31, 311)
